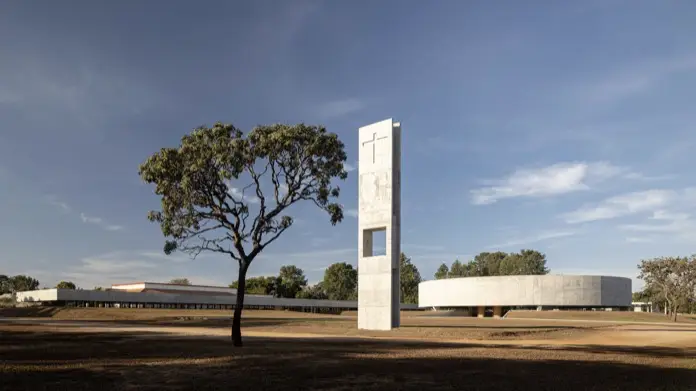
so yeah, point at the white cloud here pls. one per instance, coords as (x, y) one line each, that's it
(534, 239)
(53, 200)
(552, 180)
(240, 195)
(90, 220)
(100, 222)
(351, 212)
(349, 167)
(339, 108)
(621, 205)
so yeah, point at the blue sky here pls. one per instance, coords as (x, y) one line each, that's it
(564, 127)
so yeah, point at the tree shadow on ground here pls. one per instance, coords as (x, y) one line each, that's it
(37, 361)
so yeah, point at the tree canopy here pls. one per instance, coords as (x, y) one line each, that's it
(21, 283)
(670, 279)
(340, 281)
(410, 278)
(526, 262)
(228, 193)
(66, 285)
(291, 280)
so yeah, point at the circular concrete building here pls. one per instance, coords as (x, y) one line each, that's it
(498, 294)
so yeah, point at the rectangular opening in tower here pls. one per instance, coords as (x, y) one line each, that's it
(374, 242)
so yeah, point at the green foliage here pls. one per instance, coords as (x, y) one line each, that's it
(223, 192)
(314, 292)
(66, 285)
(203, 208)
(526, 262)
(21, 283)
(442, 272)
(291, 281)
(180, 281)
(671, 280)
(258, 285)
(458, 270)
(97, 288)
(340, 281)
(5, 286)
(410, 278)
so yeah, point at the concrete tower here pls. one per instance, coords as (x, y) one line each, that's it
(379, 209)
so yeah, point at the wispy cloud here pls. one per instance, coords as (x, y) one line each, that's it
(547, 181)
(533, 239)
(621, 205)
(351, 212)
(350, 167)
(99, 222)
(339, 108)
(53, 200)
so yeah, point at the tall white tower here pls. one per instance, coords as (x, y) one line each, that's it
(379, 209)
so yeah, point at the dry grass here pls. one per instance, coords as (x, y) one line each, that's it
(83, 361)
(490, 354)
(617, 316)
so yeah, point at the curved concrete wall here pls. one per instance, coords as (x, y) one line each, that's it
(545, 290)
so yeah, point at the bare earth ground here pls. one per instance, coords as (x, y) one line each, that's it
(119, 349)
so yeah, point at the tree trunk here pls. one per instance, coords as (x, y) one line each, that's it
(237, 318)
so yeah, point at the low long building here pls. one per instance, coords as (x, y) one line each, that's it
(181, 296)
(497, 294)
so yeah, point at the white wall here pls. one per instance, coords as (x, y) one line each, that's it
(546, 290)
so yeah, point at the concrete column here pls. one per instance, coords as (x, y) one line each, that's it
(481, 311)
(497, 311)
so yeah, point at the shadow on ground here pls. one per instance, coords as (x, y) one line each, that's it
(39, 361)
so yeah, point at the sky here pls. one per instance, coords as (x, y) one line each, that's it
(566, 127)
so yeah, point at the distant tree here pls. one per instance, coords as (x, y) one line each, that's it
(217, 178)
(180, 281)
(442, 272)
(340, 281)
(97, 288)
(487, 264)
(66, 285)
(672, 279)
(265, 285)
(5, 286)
(291, 280)
(410, 278)
(22, 283)
(458, 270)
(314, 292)
(532, 262)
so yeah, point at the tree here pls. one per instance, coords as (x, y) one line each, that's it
(5, 286)
(340, 281)
(66, 285)
(22, 283)
(672, 279)
(532, 262)
(314, 292)
(458, 270)
(487, 264)
(442, 272)
(259, 285)
(217, 178)
(180, 281)
(291, 280)
(410, 278)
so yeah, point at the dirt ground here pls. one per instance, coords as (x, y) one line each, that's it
(294, 351)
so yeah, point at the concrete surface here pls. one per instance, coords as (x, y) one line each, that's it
(540, 290)
(379, 209)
